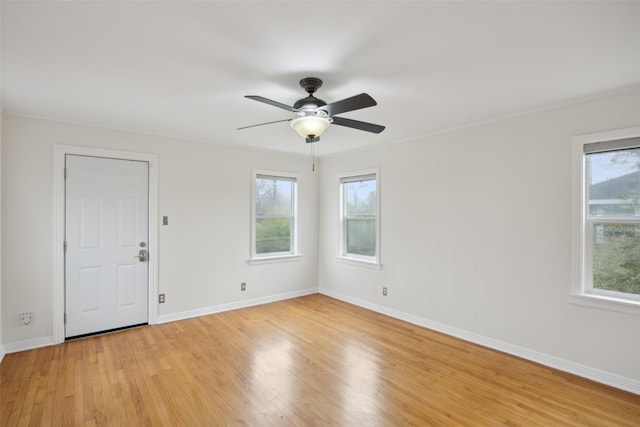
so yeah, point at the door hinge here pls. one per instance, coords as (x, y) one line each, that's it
(65, 173)
(64, 245)
(65, 318)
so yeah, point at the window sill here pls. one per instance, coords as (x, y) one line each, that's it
(605, 302)
(273, 259)
(360, 262)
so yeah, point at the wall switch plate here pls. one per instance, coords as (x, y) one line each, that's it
(161, 298)
(243, 286)
(384, 291)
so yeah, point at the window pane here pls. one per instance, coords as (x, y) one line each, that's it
(273, 197)
(361, 236)
(616, 257)
(273, 235)
(613, 179)
(360, 197)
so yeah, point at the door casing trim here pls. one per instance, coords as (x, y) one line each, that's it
(59, 154)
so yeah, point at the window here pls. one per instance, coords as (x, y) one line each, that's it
(359, 223)
(610, 220)
(274, 215)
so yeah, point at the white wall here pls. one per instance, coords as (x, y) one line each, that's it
(476, 239)
(203, 188)
(476, 229)
(2, 352)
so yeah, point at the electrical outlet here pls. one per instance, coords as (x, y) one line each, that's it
(161, 298)
(243, 286)
(384, 291)
(26, 318)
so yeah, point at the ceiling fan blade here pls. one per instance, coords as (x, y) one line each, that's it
(349, 104)
(267, 123)
(271, 102)
(356, 124)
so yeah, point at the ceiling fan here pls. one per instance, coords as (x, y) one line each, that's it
(315, 115)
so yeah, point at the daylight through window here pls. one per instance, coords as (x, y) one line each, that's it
(274, 231)
(359, 222)
(612, 218)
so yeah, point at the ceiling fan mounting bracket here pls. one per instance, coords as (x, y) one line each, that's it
(310, 84)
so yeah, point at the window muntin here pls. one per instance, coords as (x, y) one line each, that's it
(274, 224)
(612, 219)
(359, 217)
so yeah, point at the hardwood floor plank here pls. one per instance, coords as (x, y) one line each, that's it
(310, 361)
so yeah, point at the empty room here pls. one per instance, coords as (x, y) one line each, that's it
(340, 213)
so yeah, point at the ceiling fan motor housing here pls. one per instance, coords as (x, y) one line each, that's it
(309, 103)
(310, 85)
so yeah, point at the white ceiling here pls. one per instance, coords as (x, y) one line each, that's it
(181, 69)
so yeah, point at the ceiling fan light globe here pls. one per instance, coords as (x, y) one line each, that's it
(310, 126)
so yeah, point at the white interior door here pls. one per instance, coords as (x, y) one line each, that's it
(106, 221)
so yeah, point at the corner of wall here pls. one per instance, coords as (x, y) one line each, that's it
(2, 352)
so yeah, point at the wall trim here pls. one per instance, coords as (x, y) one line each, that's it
(584, 371)
(235, 305)
(207, 141)
(497, 119)
(14, 347)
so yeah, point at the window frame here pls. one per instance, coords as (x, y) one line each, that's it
(363, 260)
(294, 253)
(582, 291)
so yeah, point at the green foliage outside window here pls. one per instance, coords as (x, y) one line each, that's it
(361, 237)
(614, 208)
(616, 257)
(360, 217)
(273, 235)
(274, 214)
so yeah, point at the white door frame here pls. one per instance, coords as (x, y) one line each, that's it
(59, 155)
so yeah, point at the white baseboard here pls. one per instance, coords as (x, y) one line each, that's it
(597, 375)
(234, 305)
(14, 347)
(600, 376)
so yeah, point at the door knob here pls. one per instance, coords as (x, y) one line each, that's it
(142, 255)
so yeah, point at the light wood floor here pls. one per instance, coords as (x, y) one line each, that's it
(307, 361)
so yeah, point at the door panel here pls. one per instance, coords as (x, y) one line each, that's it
(127, 222)
(89, 289)
(90, 221)
(106, 218)
(126, 285)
